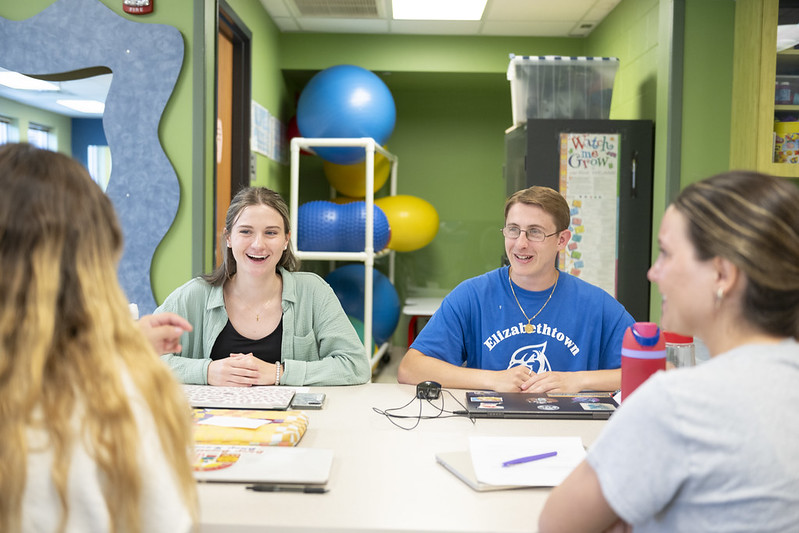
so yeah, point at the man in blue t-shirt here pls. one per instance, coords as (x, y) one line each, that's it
(527, 327)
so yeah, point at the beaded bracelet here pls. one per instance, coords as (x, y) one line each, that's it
(277, 373)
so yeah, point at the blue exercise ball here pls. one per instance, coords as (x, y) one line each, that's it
(348, 284)
(346, 101)
(324, 226)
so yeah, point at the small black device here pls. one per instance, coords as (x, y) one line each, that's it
(428, 390)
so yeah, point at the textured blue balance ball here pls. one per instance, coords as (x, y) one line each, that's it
(324, 226)
(346, 101)
(348, 284)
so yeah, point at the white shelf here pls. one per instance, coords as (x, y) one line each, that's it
(368, 255)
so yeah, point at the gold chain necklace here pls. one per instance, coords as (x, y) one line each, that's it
(528, 328)
(258, 313)
(258, 309)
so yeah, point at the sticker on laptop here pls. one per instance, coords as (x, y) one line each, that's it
(598, 407)
(540, 400)
(492, 406)
(595, 394)
(548, 407)
(491, 399)
(585, 399)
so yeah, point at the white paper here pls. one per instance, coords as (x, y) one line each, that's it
(488, 454)
(234, 422)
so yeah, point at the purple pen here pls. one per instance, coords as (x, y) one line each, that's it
(528, 459)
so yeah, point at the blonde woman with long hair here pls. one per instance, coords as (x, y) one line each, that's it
(96, 433)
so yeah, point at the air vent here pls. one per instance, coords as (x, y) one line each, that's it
(364, 9)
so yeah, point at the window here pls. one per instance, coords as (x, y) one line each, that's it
(41, 136)
(5, 130)
(99, 163)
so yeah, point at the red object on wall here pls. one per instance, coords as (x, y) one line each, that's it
(294, 131)
(137, 7)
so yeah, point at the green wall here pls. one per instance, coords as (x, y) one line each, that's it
(268, 87)
(449, 140)
(630, 33)
(416, 53)
(707, 89)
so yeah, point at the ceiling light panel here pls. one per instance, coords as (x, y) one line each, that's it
(84, 106)
(438, 9)
(15, 80)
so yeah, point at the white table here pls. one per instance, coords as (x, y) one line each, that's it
(387, 479)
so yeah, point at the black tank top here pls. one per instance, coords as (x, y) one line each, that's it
(231, 341)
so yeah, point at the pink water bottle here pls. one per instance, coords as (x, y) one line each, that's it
(643, 352)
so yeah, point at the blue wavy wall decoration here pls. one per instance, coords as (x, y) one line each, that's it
(71, 36)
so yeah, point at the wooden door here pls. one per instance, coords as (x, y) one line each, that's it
(224, 130)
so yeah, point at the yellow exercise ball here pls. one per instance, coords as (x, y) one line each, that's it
(413, 221)
(341, 200)
(350, 180)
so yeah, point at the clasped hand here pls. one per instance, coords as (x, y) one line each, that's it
(520, 379)
(241, 370)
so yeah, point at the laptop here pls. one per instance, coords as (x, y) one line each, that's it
(261, 464)
(261, 397)
(583, 405)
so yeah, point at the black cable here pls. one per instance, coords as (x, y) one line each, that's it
(389, 413)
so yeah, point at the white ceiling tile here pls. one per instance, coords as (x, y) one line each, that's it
(286, 23)
(436, 27)
(583, 28)
(537, 9)
(337, 25)
(276, 8)
(601, 10)
(529, 18)
(527, 28)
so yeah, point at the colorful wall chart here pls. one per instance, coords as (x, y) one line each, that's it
(589, 178)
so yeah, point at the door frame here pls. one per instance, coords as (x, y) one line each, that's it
(230, 23)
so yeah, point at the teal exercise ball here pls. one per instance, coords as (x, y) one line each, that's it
(348, 284)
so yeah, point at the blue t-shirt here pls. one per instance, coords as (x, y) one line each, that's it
(480, 323)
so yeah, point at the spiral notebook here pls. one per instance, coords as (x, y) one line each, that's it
(583, 405)
(460, 465)
(483, 466)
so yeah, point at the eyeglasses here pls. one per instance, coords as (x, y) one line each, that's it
(532, 234)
